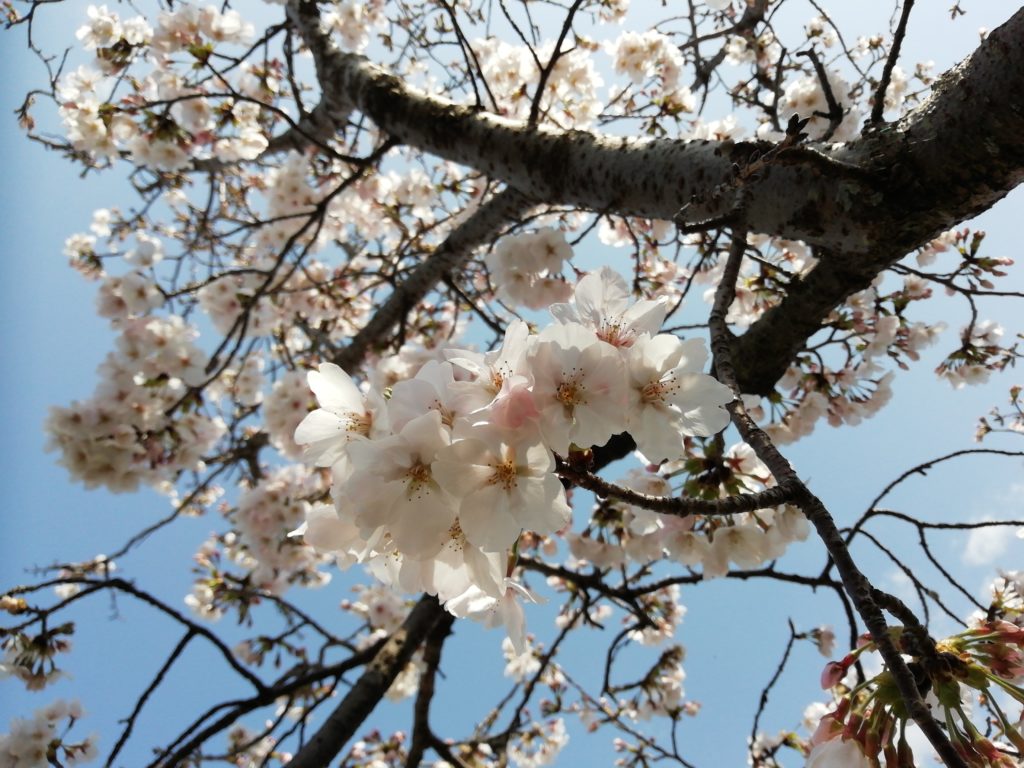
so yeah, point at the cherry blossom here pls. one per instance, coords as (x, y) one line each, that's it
(837, 753)
(601, 301)
(670, 397)
(579, 387)
(503, 488)
(505, 610)
(524, 268)
(393, 485)
(32, 742)
(345, 414)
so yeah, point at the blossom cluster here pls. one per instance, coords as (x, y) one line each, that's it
(352, 21)
(999, 420)
(981, 352)
(525, 269)
(570, 96)
(123, 436)
(651, 55)
(30, 659)
(539, 744)
(868, 722)
(435, 484)
(259, 543)
(41, 741)
(264, 516)
(251, 750)
(189, 126)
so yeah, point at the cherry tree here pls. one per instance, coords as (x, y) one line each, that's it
(512, 312)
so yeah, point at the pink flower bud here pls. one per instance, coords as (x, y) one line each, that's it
(832, 674)
(835, 671)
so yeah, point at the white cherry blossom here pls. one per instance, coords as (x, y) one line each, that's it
(331, 533)
(602, 302)
(506, 610)
(345, 414)
(670, 397)
(504, 488)
(429, 390)
(837, 753)
(579, 387)
(392, 485)
(498, 390)
(745, 545)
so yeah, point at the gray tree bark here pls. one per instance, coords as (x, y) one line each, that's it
(863, 204)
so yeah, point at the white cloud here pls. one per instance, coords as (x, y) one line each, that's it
(985, 545)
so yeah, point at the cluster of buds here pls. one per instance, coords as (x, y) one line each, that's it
(30, 658)
(868, 727)
(1000, 420)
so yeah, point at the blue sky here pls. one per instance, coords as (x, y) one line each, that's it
(733, 632)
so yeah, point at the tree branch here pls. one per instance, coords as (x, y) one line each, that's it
(678, 506)
(391, 659)
(421, 732)
(482, 226)
(951, 158)
(857, 585)
(864, 204)
(854, 198)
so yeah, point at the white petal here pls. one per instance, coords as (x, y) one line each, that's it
(324, 435)
(424, 519)
(541, 505)
(645, 316)
(334, 389)
(655, 355)
(487, 520)
(326, 532)
(514, 619)
(701, 399)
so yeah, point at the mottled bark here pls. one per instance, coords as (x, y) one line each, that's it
(863, 204)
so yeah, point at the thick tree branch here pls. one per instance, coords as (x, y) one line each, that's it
(864, 204)
(855, 198)
(482, 226)
(951, 158)
(342, 723)
(421, 733)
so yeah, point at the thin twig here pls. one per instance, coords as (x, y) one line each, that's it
(763, 702)
(130, 722)
(835, 112)
(679, 506)
(894, 53)
(548, 68)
